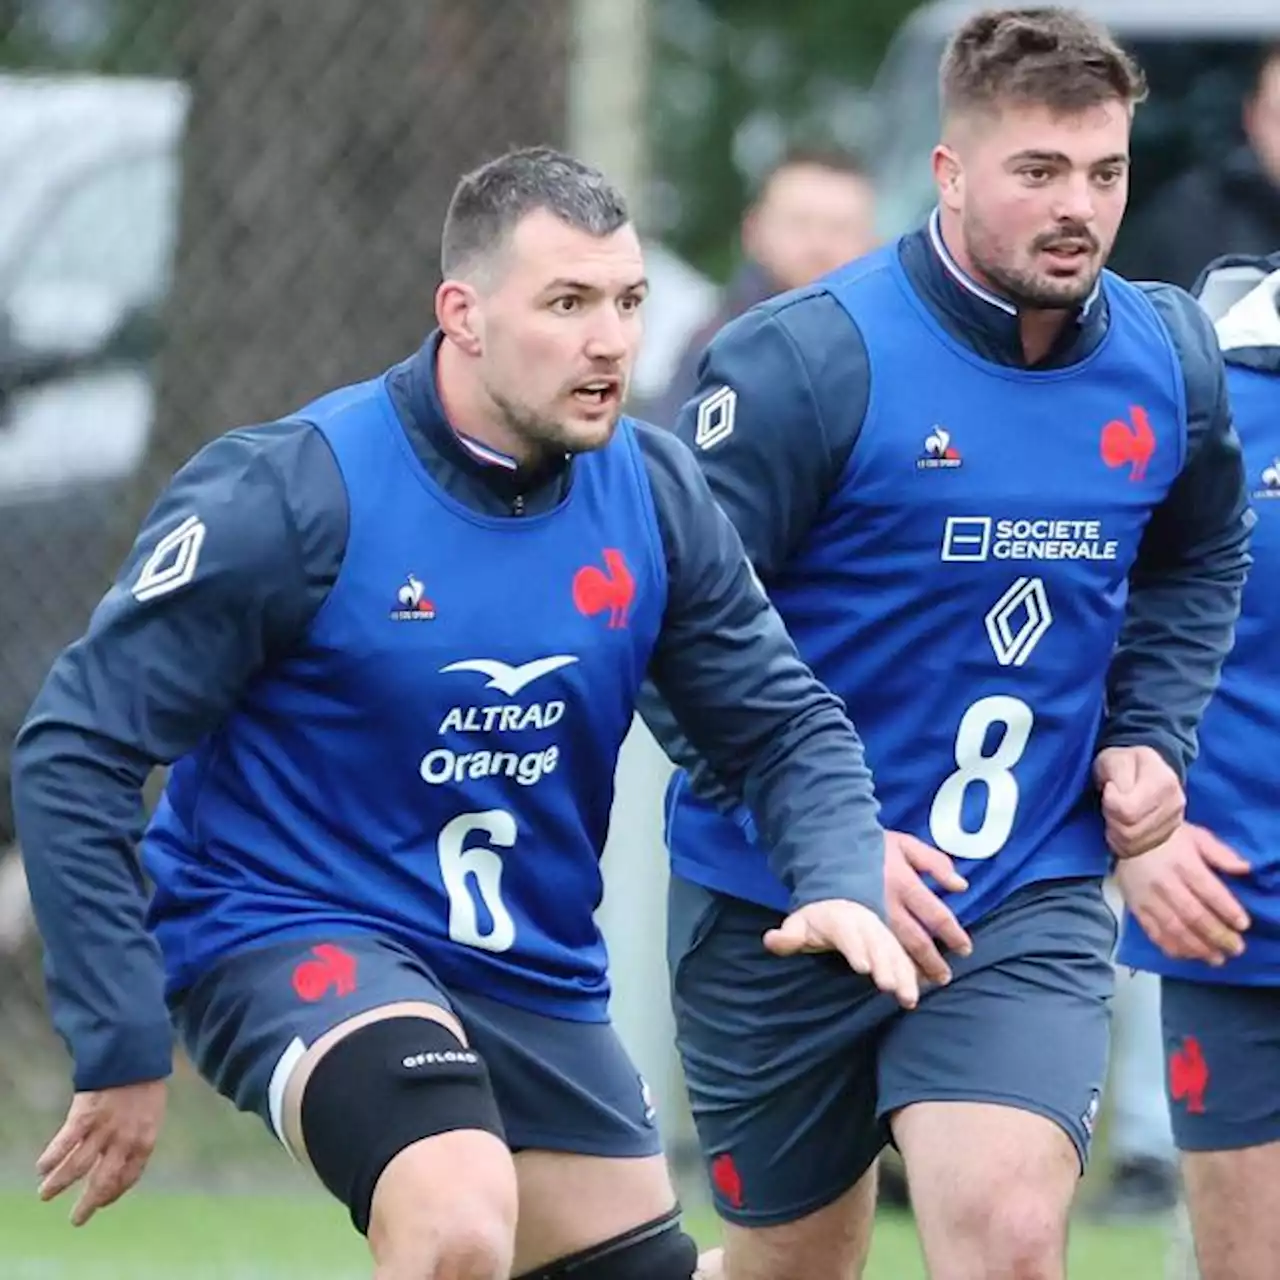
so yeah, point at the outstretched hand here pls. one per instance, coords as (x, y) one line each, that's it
(859, 935)
(105, 1141)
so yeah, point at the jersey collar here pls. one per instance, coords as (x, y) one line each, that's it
(981, 318)
(428, 426)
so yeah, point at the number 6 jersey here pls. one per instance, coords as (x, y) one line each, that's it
(434, 760)
(962, 580)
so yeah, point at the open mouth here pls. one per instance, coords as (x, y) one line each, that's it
(1068, 253)
(599, 393)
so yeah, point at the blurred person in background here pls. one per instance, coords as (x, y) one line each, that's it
(1142, 1177)
(814, 211)
(1204, 908)
(1229, 207)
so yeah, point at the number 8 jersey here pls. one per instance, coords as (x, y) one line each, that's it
(965, 585)
(433, 762)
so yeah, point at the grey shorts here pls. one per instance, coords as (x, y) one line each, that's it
(793, 1066)
(1222, 1046)
(560, 1085)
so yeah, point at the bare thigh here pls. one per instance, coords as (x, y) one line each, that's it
(1234, 1200)
(570, 1202)
(829, 1244)
(991, 1187)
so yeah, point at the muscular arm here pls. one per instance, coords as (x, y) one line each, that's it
(167, 653)
(1184, 591)
(735, 694)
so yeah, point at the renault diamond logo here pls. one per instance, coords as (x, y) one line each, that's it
(1018, 620)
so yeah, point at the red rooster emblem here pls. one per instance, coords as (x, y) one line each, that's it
(1189, 1075)
(1129, 443)
(595, 590)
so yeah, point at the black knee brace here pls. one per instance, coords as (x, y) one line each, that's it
(382, 1088)
(658, 1250)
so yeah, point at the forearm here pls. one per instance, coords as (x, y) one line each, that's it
(78, 808)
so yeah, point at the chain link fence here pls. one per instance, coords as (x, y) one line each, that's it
(210, 214)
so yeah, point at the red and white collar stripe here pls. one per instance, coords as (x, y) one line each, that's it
(483, 453)
(970, 285)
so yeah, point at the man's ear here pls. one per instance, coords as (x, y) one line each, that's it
(459, 315)
(948, 173)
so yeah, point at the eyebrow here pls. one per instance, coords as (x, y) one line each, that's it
(581, 286)
(1057, 157)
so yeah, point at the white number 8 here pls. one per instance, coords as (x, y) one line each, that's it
(484, 865)
(994, 771)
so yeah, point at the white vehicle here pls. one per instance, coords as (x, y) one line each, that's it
(87, 225)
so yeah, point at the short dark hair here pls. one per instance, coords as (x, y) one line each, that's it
(1048, 56)
(833, 159)
(489, 201)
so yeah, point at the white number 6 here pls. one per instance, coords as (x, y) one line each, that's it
(484, 865)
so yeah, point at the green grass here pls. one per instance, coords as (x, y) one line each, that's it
(233, 1236)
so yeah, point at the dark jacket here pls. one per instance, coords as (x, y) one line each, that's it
(1232, 208)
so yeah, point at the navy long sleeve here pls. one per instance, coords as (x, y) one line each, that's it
(788, 442)
(771, 458)
(157, 670)
(729, 675)
(1184, 591)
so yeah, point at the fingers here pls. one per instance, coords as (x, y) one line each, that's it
(1129, 838)
(1118, 767)
(927, 860)
(853, 945)
(1167, 930)
(105, 1142)
(115, 1172)
(920, 947)
(1209, 910)
(869, 947)
(1218, 855)
(891, 967)
(937, 918)
(859, 936)
(73, 1166)
(1183, 927)
(790, 938)
(1216, 898)
(1142, 800)
(63, 1143)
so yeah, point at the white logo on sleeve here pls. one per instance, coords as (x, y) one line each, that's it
(508, 679)
(173, 562)
(715, 418)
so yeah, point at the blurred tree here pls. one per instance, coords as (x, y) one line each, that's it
(126, 37)
(323, 144)
(734, 82)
